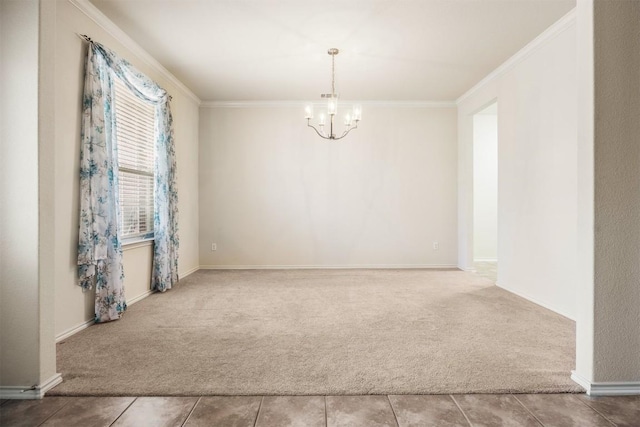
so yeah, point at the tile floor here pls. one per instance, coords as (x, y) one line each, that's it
(556, 410)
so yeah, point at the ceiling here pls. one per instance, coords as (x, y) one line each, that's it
(391, 50)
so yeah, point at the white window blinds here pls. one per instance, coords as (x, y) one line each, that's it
(135, 127)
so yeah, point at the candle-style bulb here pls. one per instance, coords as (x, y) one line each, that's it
(308, 111)
(357, 113)
(332, 106)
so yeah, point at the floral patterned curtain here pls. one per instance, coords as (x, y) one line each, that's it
(99, 247)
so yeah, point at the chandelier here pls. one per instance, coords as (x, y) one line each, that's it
(351, 119)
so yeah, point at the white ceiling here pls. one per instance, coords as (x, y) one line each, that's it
(392, 50)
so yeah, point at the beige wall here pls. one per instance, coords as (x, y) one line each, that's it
(19, 287)
(537, 171)
(585, 120)
(272, 193)
(73, 307)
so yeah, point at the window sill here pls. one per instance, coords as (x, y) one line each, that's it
(137, 243)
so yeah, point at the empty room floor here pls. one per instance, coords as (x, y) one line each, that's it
(292, 315)
(557, 410)
(323, 333)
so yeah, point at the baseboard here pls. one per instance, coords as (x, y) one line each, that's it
(74, 330)
(623, 388)
(537, 301)
(140, 297)
(327, 267)
(30, 392)
(84, 325)
(189, 272)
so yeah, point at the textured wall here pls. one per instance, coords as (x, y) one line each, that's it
(617, 191)
(272, 193)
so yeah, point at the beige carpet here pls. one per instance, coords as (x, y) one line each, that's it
(323, 332)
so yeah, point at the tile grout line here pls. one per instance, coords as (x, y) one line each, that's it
(326, 421)
(583, 401)
(191, 412)
(460, 409)
(125, 410)
(54, 413)
(393, 410)
(255, 422)
(527, 409)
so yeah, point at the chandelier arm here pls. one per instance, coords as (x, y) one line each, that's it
(346, 132)
(314, 128)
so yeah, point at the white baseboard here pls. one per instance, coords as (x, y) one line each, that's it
(189, 272)
(326, 267)
(30, 392)
(536, 301)
(623, 388)
(84, 325)
(139, 297)
(74, 330)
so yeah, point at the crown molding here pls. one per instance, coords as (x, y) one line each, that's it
(547, 35)
(110, 27)
(301, 104)
(246, 104)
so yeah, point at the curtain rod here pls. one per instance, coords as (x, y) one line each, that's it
(88, 39)
(85, 37)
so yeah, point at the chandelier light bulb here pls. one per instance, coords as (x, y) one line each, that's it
(332, 107)
(321, 120)
(357, 113)
(347, 120)
(308, 111)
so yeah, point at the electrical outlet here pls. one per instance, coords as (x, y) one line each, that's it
(214, 247)
(436, 246)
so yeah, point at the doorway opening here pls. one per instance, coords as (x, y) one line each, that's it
(485, 192)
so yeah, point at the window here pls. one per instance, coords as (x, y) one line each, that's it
(135, 128)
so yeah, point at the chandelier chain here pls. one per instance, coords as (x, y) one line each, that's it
(333, 76)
